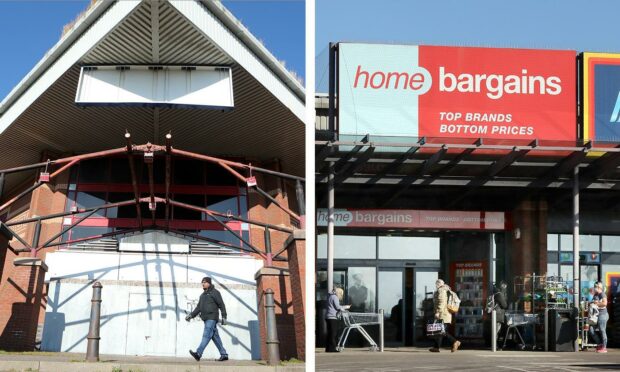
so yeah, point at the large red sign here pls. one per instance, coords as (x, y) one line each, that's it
(435, 91)
(415, 219)
(499, 93)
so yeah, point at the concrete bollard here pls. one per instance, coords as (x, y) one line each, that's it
(273, 344)
(92, 348)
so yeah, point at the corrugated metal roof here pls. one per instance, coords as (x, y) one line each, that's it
(260, 126)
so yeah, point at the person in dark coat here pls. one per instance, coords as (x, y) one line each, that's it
(501, 304)
(209, 307)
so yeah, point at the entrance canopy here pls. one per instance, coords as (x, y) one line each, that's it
(41, 114)
(456, 171)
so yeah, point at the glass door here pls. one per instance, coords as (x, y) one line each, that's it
(424, 287)
(390, 299)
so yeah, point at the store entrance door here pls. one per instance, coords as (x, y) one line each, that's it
(391, 287)
(406, 297)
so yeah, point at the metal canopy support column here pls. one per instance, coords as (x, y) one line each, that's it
(167, 180)
(152, 204)
(35, 239)
(330, 229)
(134, 180)
(333, 49)
(576, 251)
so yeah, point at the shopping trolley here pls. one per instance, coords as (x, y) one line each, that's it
(515, 320)
(357, 321)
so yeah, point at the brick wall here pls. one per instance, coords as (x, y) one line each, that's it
(278, 280)
(529, 252)
(20, 313)
(297, 265)
(22, 288)
(288, 289)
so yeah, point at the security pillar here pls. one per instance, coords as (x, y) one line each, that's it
(330, 229)
(92, 348)
(273, 344)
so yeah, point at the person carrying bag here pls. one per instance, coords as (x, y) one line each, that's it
(443, 314)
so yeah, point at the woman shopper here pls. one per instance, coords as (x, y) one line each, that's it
(600, 300)
(440, 300)
(333, 307)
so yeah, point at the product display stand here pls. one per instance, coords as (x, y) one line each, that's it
(469, 283)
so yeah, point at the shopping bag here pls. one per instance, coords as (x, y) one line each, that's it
(435, 328)
(593, 313)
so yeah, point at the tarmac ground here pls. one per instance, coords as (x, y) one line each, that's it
(420, 359)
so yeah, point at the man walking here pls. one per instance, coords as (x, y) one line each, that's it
(209, 306)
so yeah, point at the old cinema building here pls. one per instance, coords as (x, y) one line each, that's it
(157, 142)
(458, 163)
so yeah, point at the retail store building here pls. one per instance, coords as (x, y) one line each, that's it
(445, 167)
(156, 143)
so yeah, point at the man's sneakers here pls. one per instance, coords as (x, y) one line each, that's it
(223, 358)
(195, 355)
(455, 346)
(434, 350)
(601, 349)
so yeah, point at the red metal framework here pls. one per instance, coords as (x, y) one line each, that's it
(221, 221)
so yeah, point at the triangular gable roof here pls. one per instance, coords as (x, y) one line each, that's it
(209, 17)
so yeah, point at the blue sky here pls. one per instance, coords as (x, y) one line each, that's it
(28, 29)
(548, 24)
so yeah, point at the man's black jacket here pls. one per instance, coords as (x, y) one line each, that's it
(209, 305)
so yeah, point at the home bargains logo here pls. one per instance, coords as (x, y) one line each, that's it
(397, 90)
(414, 219)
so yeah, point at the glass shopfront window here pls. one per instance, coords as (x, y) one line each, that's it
(321, 282)
(349, 246)
(590, 243)
(552, 242)
(361, 290)
(408, 248)
(611, 243)
(566, 242)
(108, 180)
(91, 199)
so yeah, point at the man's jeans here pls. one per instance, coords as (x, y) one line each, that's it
(602, 325)
(209, 333)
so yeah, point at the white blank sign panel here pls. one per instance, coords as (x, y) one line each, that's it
(157, 86)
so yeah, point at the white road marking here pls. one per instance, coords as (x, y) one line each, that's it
(515, 356)
(514, 368)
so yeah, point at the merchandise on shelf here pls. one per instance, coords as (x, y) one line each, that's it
(469, 283)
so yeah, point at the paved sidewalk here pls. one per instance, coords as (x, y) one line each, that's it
(74, 362)
(420, 359)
